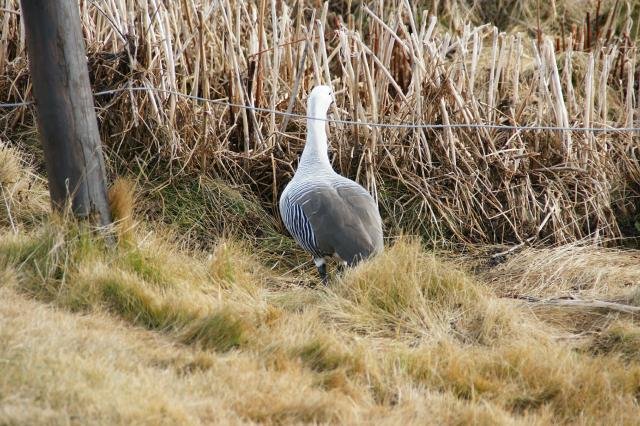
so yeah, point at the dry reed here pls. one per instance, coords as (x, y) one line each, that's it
(389, 63)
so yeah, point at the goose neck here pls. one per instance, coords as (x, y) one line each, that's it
(315, 152)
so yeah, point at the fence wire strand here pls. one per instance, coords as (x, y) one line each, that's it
(224, 102)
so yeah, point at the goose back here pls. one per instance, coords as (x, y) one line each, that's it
(332, 216)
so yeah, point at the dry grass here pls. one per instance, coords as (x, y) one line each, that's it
(573, 269)
(23, 195)
(122, 201)
(60, 368)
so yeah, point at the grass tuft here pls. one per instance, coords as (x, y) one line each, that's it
(407, 290)
(323, 355)
(132, 302)
(620, 337)
(221, 331)
(150, 268)
(122, 200)
(24, 199)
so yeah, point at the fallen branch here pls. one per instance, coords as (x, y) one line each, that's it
(580, 303)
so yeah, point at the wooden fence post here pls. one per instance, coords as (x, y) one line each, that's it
(67, 124)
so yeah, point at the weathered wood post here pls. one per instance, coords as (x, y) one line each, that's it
(66, 118)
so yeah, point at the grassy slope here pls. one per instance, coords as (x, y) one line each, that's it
(147, 332)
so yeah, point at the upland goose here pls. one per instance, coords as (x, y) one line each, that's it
(326, 213)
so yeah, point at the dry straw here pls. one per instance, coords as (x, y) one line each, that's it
(390, 63)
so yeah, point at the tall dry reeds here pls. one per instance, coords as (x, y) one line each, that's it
(390, 62)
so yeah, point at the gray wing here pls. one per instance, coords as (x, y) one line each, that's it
(344, 219)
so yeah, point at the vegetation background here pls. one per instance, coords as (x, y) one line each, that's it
(509, 289)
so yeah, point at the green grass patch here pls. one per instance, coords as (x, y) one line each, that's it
(222, 331)
(322, 355)
(203, 211)
(46, 257)
(148, 267)
(620, 338)
(135, 304)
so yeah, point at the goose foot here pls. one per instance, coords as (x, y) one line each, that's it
(321, 264)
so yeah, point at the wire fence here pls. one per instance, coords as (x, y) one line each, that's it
(224, 102)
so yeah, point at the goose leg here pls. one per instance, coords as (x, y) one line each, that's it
(321, 264)
(323, 274)
(342, 266)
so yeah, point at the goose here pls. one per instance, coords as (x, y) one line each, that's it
(328, 214)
